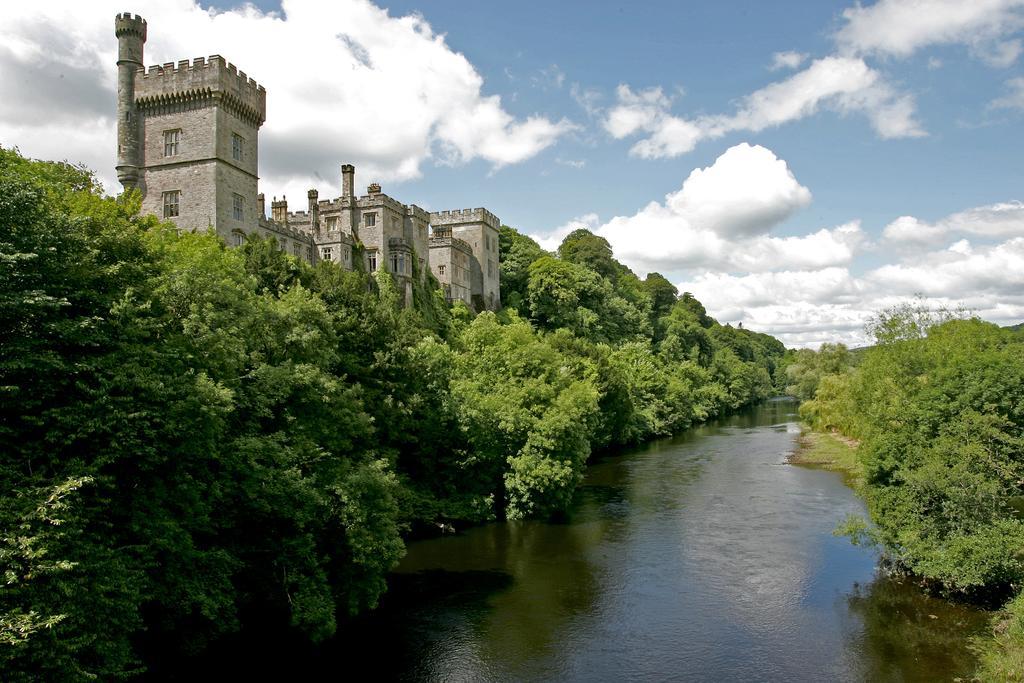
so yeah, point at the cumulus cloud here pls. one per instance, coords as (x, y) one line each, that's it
(714, 237)
(346, 82)
(1000, 220)
(959, 271)
(846, 85)
(721, 217)
(808, 307)
(551, 240)
(898, 28)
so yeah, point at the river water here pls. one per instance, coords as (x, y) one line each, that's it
(701, 558)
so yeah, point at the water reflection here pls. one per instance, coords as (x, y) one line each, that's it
(703, 558)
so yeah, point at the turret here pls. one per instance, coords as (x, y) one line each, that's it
(348, 181)
(279, 210)
(131, 36)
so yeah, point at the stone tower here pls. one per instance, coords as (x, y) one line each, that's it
(192, 146)
(479, 229)
(131, 36)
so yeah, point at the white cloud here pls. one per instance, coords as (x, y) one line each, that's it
(714, 237)
(808, 307)
(346, 82)
(898, 28)
(721, 217)
(553, 239)
(1001, 220)
(842, 84)
(787, 60)
(1014, 98)
(549, 78)
(960, 271)
(745, 192)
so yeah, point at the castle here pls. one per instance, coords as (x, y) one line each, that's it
(188, 140)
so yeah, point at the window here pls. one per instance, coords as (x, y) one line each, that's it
(296, 249)
(326, 254)
(237, 143)
(171, 140)
(238, 238)
(398, 263)
(172, 201)
(238, 207)
(440, 269)
(309, 254)
(371, 260)
(332, 223)
(369, 219)
(487, 242)
(284, 244)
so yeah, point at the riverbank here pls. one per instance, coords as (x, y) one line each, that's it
(829, 451)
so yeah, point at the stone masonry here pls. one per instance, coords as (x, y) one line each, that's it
(188, 140)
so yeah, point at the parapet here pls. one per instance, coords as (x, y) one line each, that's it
(284, 230)
(464, 216)
(127, 24)
(204, 76)
(376, 199)
(414, 211)
(446, 241)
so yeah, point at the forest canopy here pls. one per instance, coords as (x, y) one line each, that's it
(191, 432)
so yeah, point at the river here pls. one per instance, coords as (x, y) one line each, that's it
(701, 558)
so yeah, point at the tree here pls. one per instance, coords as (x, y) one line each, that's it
(517, 253)
(584, 248)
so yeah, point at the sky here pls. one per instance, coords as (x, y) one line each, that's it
(797, 166)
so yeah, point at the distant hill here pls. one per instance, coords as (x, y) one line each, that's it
(1016, 328)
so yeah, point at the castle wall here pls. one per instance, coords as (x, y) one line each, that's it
(209, 102)
(197, 183)
(232, 181)
(479, 228)
(451, 262)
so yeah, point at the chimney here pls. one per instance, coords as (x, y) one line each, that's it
(261, 205)
(372, 189)
(348, 181)
(314, 211)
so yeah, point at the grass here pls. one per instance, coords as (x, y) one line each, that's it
(1001, 656)
(828, 451)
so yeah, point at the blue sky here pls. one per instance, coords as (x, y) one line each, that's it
(883, 139)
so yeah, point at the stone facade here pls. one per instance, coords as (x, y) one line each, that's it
(188, 139)
(451, 261)
(479, 229)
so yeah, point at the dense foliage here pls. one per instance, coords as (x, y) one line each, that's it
(191, 433)
(938, 407)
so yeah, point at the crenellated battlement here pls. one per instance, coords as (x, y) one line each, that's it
(369, 201)
(204, 77)
(285, 230)
(416, 212)
(446, 240)
(462, 216)
(129, 24)
(190, 129)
